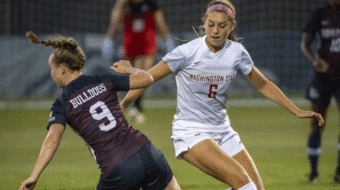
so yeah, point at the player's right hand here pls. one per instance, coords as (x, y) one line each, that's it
(122, 67)
(107, 48)
(28, 184)
(311, 114)
(320, 65)
(169, 45)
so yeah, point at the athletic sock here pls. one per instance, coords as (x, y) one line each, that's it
(138, 103)
(249, 186)
(313, 151)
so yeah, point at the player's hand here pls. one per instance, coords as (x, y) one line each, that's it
(28, 184)
(107, 48)
(122, 67)
(169, 45)
(320, 65)
(311, 114)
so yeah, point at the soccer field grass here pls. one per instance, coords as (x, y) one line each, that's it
(274, 137)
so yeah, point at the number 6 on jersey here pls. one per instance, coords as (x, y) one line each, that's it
(212, 91)
(105, 113)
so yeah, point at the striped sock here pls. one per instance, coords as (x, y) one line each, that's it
(313, 151)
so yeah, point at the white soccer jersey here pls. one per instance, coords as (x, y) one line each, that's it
(202, 79)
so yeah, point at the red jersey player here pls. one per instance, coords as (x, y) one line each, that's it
(140, 21)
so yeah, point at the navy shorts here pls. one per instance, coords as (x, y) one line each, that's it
(147, 169)
(322, 89)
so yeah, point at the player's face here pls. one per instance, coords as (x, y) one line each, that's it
(217, 26)
(56, 71)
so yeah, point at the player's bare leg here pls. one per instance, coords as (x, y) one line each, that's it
(337, 171)
(248, 164)
(173, 185)
(209, 157)
(144, 62)
(314, 140)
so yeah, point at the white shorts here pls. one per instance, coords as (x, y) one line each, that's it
(229, 141)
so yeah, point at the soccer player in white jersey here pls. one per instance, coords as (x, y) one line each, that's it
(204, 68)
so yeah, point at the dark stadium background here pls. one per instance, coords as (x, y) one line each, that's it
(270, 30)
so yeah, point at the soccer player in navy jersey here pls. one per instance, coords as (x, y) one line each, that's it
(324, 23)
(90, 106)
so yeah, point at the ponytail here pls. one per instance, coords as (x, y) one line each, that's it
(67, 51)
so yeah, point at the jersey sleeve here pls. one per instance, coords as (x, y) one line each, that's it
(58, 114)
(176, 59)
(246, 63)
(313, 23)
(120, 82)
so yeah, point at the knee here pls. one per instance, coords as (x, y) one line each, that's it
(173, 185)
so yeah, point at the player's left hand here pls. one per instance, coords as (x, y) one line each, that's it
(169, 45)
(28, 184)
(122, 67)
(321, 65)
(107, 48)
(311, 114)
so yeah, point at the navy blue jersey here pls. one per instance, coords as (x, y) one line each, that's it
(325, 23)
(90, 106)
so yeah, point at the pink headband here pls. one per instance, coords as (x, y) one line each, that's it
(221, 8)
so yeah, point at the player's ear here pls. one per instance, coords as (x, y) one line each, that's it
(62, 68)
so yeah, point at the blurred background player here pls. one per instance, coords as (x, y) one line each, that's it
(140, 21)
(90, 106)
(323, 23)
(201, 133)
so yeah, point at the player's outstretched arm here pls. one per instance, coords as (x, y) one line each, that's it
(116, 24)
(116, 18)
(138, 77)
(158, 72)
(163, 29)
(271, 91)
(48, 148)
